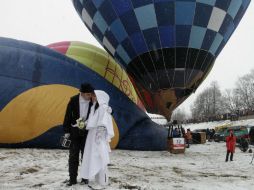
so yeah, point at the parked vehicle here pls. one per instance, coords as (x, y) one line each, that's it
(244, 144)
(251, 133)
(223, 126)
(239, 132)
(219, 136)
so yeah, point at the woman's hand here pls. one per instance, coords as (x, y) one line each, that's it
(100, 134)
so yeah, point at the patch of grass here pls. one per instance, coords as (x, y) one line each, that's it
(29, 170)
(177, 170)
(38, 185)
(128, 186)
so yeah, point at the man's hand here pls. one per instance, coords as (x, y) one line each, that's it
(67, 135)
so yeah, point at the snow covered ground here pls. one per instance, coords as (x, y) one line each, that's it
(202, 167)
(212, 125)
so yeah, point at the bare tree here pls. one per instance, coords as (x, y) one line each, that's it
(208, 103)
(232, 102)
(245, 89)
(211, 103)
(216, 98)
(179, 115)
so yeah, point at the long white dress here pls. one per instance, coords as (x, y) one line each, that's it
(100, 132)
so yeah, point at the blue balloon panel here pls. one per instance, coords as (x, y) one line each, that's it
(168, 47)
(36, 84)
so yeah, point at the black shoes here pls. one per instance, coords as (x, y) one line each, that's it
(74, 182)
(84, 181)
(70, 182)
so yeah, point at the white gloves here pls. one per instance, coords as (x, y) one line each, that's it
(109, 109)
(67, 135)
(100, 134)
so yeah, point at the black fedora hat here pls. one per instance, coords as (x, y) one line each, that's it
(86, 88)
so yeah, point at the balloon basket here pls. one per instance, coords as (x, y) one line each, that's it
(176, 145)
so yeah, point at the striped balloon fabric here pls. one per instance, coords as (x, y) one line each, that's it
(167, 46)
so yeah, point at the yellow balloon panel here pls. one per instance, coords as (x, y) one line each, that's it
(101, 62)
(115, 139)
(33, 112)
(37, 110)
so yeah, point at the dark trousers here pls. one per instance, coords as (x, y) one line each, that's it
(231, 156)
(188, 143)
(77, 146)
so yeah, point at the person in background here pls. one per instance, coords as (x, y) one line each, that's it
(208, 134)
(78, 107)
(183, 134)
(97, 148)
(230, 143)
(212, 132)
(188, 138)
(176, 133)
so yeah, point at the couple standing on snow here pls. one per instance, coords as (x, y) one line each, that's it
(92, 141)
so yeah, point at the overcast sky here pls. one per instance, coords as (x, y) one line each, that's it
(48, 21)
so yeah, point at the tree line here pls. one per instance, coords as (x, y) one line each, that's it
(213, 104)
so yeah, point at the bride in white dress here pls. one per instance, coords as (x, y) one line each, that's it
(97, 148)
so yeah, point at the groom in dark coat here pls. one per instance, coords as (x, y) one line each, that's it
(78, 107)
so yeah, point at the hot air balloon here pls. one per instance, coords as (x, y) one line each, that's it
(167, 47)
(37, 82)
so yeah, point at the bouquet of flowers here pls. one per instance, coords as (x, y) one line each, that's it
(81, 123)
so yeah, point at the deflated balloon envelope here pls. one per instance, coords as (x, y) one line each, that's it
(36, 84)
(100, 62)
(168, 47)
